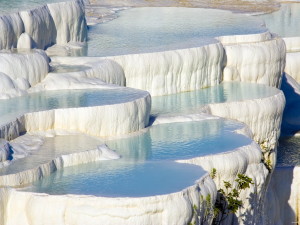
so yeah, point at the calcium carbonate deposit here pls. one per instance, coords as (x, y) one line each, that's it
(112, 114)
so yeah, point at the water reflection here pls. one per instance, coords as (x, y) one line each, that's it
(285, 21)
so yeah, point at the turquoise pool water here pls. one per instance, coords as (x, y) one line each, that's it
(190, 102)
(181, 141)
(140, 30)
(146, 167)
(11, 6)
(121, 179)
(11, 108)
(285, 21)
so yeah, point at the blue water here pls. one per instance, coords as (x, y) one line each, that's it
(285, 21)
(190, 102)
(140, 30)
(121, 179)
(11, 108)
(146, 167)
(181, 141)
(288, 152)
(11, 6)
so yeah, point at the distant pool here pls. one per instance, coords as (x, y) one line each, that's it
(288, 152)
(146, 167)
(11, 6)
(190, 102)
(140, 30)
(285, 21)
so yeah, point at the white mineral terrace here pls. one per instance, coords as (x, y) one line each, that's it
(122, 122)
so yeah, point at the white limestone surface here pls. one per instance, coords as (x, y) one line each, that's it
(5, 152)
(39, 25)
(170, 72)
(283, 197)
(245, 160)
(258, 62)
(263, 116)
(239, 39)
(22, 69)
(69, 20)
(9, 88)
(46, 25)
(292, 67)
(174, 208)
(81, 73)
(25, 42)
(292, 44)
(11, 27)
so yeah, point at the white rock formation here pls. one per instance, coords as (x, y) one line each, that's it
(263, 116)
(47, 25)
(246, 160)
(292, 67)
(25, 68)
(170, 72)
(175, 208)
(5, 152)
(8, 87)
(284, 197)
(292, 44)
(69, 20)
(242, 39)
(25, 42)
(11, 27)
(39, 25)
(258, 62)
(79, 73)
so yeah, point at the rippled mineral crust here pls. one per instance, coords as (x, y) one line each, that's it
(47, 25)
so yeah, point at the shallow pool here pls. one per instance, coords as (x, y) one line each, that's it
(140, 30)
(285, 21)
(190, 102)
(288, 152)
(14, 107)
(146, 167)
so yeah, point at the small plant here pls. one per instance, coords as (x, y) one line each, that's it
(228, 199)
(213, 173)
(268, 164)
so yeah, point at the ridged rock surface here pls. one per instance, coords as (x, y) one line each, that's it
(245, 160)
(263, 116)
(170, 72)
(258, 62)
(175, 208)
(11, 27)
(57, 23)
